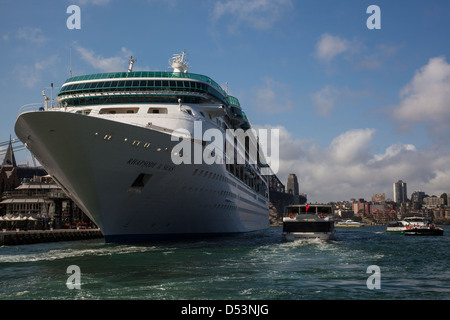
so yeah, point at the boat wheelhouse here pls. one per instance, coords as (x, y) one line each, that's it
(309, 222)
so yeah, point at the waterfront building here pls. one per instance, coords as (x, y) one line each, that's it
(42, 199)
(433, 202)
(417, 196)
(361, 207)
(400, 193)
(417, 199)
(379, 198)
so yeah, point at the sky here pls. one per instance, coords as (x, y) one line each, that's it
(358, 108)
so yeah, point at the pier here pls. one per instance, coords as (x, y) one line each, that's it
(41, 236)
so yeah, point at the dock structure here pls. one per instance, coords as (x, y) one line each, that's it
(41, 236)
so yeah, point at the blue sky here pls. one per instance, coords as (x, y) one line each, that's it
(357, 109)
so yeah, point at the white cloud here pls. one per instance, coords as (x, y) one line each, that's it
(351, 146)
(33, 35)
(31, 74)
(94, 2)
(111, 64)
(426, 98)
(392, 151)
(326, 98)
(258, 14)
(330, 46)
(273, 97)
(347, 167)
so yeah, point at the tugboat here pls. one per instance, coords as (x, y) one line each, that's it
(414, 226)
(308, 222)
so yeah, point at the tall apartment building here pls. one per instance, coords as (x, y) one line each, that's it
(400, 195)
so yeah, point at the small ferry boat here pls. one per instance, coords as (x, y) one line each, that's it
(308, 222)
(414, 226)
(349, 223)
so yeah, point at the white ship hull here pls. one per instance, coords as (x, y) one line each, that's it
(122, 176)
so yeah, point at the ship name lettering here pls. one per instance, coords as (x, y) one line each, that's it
(150, 164)
(141, 163)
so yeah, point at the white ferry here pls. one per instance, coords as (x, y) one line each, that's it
(414, 226)
(109, 141)
(349, 224)
(309, 222)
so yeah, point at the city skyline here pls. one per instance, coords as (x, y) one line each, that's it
(358, 108)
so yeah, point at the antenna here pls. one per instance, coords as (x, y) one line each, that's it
(70, 60)
(46, 99)
(132, 61)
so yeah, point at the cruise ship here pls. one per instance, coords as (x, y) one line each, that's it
(112, 142)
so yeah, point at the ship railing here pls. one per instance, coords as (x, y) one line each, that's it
(32, 107)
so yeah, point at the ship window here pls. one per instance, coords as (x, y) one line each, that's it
(127, 83)
(121, 83)
(165, 83)
(118, 110)
(158, 83)
(172, 83)
(135, 83)
(157, 110)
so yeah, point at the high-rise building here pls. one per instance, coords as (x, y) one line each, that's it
(417, 196)
(400, 195)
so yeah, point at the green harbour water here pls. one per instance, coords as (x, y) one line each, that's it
(253, 266)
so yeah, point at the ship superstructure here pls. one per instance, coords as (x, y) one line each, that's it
(112, 142)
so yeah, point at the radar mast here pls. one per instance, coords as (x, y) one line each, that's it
(179, 62)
